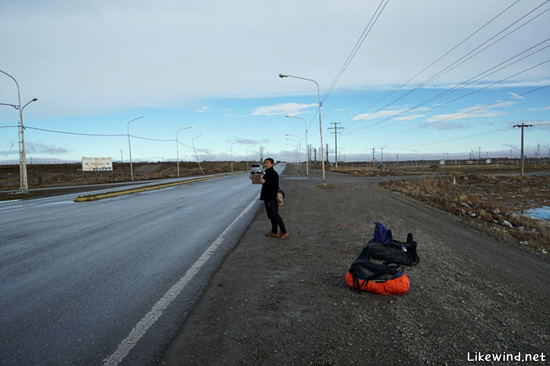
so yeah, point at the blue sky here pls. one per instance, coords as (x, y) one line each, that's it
(411, 80)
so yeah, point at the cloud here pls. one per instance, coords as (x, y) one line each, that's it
(37, 148)
(378, 114)
(470, 113)
(399, 114)
(282, 109)
(515, 96)
(204, 109)
(410, 117)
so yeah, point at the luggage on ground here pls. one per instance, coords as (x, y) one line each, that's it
(383, 247)
(375, 277)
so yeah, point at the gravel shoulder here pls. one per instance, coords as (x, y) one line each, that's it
(286, 302)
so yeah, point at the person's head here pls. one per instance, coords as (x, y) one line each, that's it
(268, 163)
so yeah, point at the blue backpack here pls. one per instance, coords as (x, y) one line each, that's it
(381, 234)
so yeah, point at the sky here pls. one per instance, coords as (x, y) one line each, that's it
(397, 79)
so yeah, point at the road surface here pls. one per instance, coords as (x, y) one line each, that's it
(110, 281)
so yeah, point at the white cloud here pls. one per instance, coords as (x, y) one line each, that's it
(465, 114)
(204, 109)
(473, 112)
(282, 109)
(94, 65)
(85, 57)
(388, 114)
(515, 96)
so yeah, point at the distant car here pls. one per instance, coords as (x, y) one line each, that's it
(256, 169)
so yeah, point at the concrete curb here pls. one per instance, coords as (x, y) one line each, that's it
(96, 197)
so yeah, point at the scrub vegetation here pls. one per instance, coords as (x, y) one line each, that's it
(494, 196)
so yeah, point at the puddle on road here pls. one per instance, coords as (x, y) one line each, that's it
(538, 213)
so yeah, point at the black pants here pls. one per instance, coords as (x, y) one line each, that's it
(272, 211)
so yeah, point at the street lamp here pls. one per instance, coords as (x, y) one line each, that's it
(320, 123)
(196, 156)
(295, 152)
(307, 152)
(299, 160)
(178, 148)
(247, 156)
(22, 155)
(130, 148)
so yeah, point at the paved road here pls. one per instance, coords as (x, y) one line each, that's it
(109, 282)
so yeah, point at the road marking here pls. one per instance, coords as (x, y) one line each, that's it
(152, 316)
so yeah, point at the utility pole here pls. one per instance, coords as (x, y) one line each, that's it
(328, 161)
(336, 132)
(522, 126)
(373, 158)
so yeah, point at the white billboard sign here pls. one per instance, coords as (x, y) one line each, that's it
(96, 164)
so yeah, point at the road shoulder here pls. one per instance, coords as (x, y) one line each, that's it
(276, 302)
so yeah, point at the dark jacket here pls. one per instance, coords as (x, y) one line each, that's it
(271, 185)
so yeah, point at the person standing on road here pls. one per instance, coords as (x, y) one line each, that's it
(270, 187)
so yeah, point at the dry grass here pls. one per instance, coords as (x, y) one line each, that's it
(494, 201)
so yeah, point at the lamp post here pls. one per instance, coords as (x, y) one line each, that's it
(320, 123)
(196, 156)
(130, 148)
(299, 160)
(295, 152)
(23, 182)
(247, 159)
(178, 148)
(307, 152)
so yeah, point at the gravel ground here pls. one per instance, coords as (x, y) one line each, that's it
(286, 302)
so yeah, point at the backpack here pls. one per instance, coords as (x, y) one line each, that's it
(384, 248)
(377, 278)
(381, 233)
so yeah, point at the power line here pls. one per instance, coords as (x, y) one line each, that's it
(442, 56)
(469, 111)
(465, 57)
(456, 99)
(358, 44)
(73, 133)
(108, 135)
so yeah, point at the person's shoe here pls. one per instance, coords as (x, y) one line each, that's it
(282, 236)
(270, 234)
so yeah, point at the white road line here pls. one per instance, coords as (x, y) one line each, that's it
(152, 316)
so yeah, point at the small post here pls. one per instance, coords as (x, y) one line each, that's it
(522, 126)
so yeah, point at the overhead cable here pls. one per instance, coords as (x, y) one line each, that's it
(360, 41)
(441, 57)
(462, 59)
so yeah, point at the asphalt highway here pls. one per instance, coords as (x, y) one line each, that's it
(109, 282)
